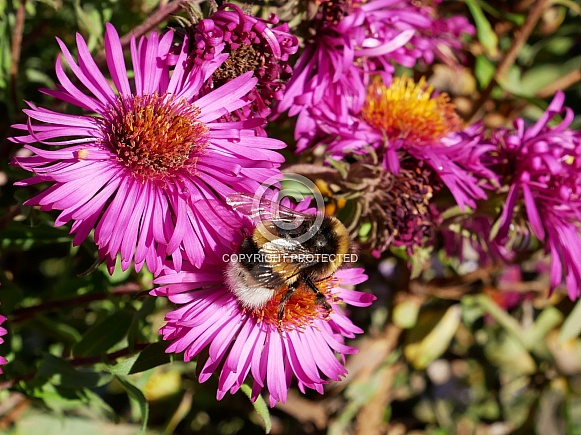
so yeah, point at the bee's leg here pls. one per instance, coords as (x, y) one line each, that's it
(320, 298)
(289, 294)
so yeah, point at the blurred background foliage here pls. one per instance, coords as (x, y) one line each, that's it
(457, 348)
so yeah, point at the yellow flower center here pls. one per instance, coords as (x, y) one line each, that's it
(155, 136)
(406, 110)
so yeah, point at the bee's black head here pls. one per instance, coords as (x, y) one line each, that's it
(324, 241)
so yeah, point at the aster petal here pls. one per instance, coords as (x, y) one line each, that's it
(175, 83)
(258, 364)
(242, 345)
(129, 239)
(326, 360)
(145, 240)
(304, 365)
(554, 108)
(83, 100)
(507, 211)
(275, 375)
(148, 62)
(93, 78)
(335, 344)
(226, 98)
(533, 213)
(344, 326)
(205, 336)
(373, 47)
(355, 298)
(224, 338)
(59, 118)
(136, 62)
(97, 202)
(116, 60)
(108, 223)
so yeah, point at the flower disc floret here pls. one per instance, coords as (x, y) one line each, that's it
(407, 110)
(155, 136)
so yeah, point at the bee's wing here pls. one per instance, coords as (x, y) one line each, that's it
(263, 208)
(287, 257)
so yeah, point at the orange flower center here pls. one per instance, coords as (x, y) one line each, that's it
(155, 135)
(406, 110)
(301, 309)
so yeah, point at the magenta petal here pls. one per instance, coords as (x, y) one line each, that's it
(275, 376)
(533, 213)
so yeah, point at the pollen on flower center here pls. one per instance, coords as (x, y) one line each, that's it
(406, 110)
(155, 135)
(300, 310)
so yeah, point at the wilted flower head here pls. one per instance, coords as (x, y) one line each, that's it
(541, 166)
(141, 165)
(405, 119)
(304, 345)
(252, 44)
(380, 209)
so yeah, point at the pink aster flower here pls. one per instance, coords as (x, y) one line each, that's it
(141, 164)
(355, 38)
(541, 164)
(253, 44)
(404, 119)
(3, 332)
(243, 342)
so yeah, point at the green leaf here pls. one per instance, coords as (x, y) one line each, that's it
(296, 190)
(89, 19)
(104, 335)
(339, 165)
(58, 329)
(502, 317)
(136, 395)
(60, 372)
(365, 230)
(124, 367)
(572, 325)
(17, 235)
(516, 19)
(259, 406)
(484, 70)
(547, 320)
(432, 335)
(405, 314)
(138, 323)
(508, 352)
(540, 76)
(152, 356)
(486, 34)
(61, 400)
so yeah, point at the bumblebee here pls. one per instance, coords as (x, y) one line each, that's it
(287, 249)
